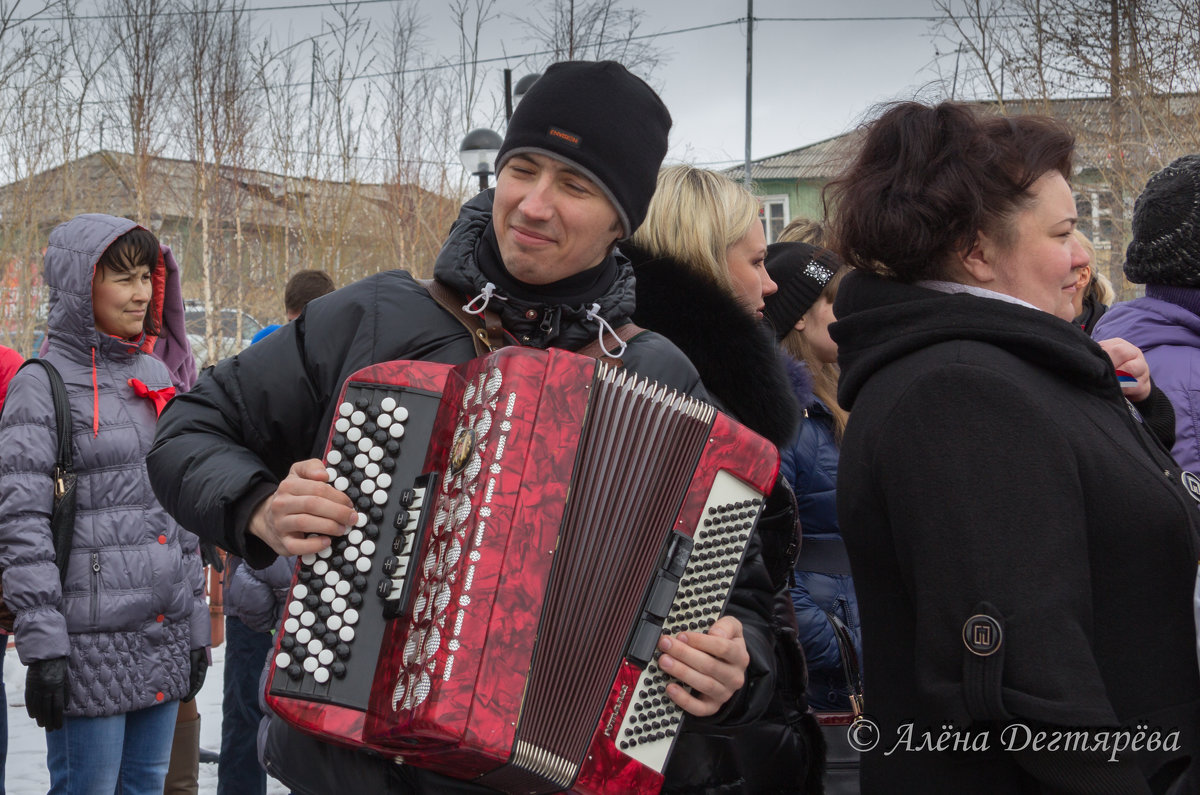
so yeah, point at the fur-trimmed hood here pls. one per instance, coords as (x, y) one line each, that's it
(738, 360)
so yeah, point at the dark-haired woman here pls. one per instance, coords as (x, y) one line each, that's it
(112, 651)
(1023, 550)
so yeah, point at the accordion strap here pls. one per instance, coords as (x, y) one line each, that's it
(486, 331)
(488, 334)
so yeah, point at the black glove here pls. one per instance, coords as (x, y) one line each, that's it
(46, 692)
(199, 669)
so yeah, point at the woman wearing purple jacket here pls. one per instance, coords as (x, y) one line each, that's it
(113, 650)
(1164, 255)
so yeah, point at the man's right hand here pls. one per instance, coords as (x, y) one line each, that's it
(302, 514)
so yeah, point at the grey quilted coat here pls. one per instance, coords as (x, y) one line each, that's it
(133, 603)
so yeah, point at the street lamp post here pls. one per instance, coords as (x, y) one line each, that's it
(478, 153)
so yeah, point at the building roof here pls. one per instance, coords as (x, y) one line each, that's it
(107, 179)
(1159, 131)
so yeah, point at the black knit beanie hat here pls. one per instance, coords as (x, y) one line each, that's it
(801, 271)
(601, 120)
(1166, 228)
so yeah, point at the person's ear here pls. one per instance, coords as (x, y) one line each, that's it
(979, 261)
(799, 325)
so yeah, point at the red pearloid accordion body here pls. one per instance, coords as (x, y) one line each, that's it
(544, 519)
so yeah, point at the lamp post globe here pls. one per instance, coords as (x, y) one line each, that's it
(478, 153)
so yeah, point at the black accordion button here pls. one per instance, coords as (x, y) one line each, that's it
(294, 671)
(342, 651)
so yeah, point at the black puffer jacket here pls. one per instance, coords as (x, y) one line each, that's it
(744, 372)
(223, 447)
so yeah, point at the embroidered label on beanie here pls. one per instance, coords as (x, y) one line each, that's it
(563, 135)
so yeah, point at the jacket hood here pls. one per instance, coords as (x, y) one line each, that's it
(881, 320)
(736, 356)
(532, 323)
(68, 268)
(1152, 322)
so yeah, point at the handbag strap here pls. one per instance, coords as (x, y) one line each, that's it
(487, 333)
(64, 461)
(849, 662)
(62, 518)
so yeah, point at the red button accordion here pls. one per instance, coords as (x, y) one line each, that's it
(530, 523)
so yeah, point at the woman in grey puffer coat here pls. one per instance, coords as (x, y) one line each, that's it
(112, 651)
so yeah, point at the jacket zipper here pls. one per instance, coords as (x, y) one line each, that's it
(95, 586)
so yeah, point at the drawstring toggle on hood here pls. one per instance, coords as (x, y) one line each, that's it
(593, 314)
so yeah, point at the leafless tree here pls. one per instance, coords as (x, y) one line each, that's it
(595, 30)
(1123, 73)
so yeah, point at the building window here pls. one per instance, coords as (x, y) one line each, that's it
(774, 215)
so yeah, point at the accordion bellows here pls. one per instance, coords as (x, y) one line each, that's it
(546, 518)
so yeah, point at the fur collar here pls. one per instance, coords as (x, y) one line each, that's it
(736, 356)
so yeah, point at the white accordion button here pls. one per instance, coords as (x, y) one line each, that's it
(367, 486)
(350, 553)
(383, 420)
(334, 457)
(346, 634)
(290, 626)
(400, 414)
(325, 554)
(362, 520)
(303, 635)
(283, 660)
(332, 578)
(358, 418)
(300, 591)
(321, 675)
(363, 564)
(328, 594)
(310, 664)
(367, 547)
(337, 605)
(325, 656)
(350, 616)
(295, 608)
(361, 460)
(355, 536)
(308, 559)
(379, 497)
(376, 453)
(343, 587)
(308, 618)
(334, 623)
(314, 646)
(395, 430)
(330, 474)
(387, 404)
(384, 480)
(365, 444)
(353, 435)
(342, 425)
(341, 484)
(346, 409)
(371, 470)
(319, 568)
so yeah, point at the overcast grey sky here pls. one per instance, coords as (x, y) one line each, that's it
(812, 79)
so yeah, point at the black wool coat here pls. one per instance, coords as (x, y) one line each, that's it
(992, 467)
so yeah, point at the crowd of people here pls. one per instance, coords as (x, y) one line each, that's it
(983, 496)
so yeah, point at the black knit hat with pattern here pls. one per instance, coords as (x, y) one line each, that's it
(801, 271)
(1166, 228)
(602, 120)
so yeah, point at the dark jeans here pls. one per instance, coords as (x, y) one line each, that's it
(239, 771)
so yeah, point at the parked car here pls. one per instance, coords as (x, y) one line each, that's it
(228, 341)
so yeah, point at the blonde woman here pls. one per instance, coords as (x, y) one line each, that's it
(702, 283)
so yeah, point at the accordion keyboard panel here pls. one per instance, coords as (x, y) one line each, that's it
(652, 720)
(331, 632)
